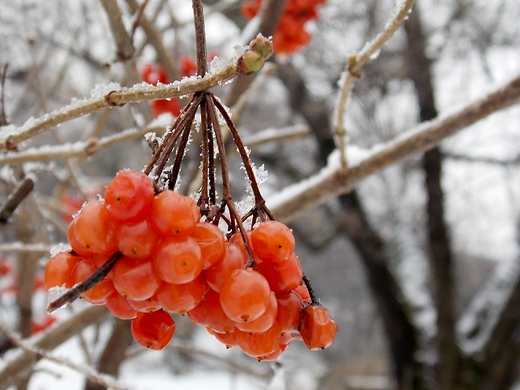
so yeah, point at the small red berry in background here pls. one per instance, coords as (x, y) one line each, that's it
(290, 35)
(153, 74)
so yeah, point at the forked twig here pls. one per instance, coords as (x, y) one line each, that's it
(353, 71)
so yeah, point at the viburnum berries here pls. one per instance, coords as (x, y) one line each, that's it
(290, 35)
(148, 252)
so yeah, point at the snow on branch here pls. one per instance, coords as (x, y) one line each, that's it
(113, 95)
(330, 181)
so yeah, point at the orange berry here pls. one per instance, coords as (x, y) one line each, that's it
(265, 321)
(234, 259)
(317, 327)
(119, 307)
(58, 270)
(245, 295)
(272, 241)
(135, 278)
(137, 240)
(180, 298)
(146, 305)
(93, 230)
(259, 343)
(197, 314)
(284, 276)
(178, 261)
(211, 242)
(290, 306)
(153, 330)
(215, 317)
(174, 215)
(129, 196)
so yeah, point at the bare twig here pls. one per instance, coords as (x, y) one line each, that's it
(16, 368)
(328, 183)
(104, 380)
(3, 116)
(353, 71)
(23, 188)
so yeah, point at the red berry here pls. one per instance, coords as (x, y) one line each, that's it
(178, 261)
(282, 277)
(58, 270)
(290, 306)
(129, 196)
(137, 240)
(234, 259)
(211, 242)
(119, 307)
(245, 295)
(93, 230)
(135, 278)
(265, 321)
(260, 343)
(215, 317)
(174, 215)
(153, 330)
(97, 295)
(317, 327)
(272, 241)
(180, 298)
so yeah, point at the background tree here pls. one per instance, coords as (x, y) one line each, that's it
(421, 249)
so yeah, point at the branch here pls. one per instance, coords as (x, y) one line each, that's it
(328, 183)
(104, 380)
(22, 363)
(353, 71)
(77, 149)
(113, 95)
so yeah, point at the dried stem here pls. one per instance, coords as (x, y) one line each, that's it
(74, 293)
(3, 116)
(23, 188)
(200, 37)
(353, 71)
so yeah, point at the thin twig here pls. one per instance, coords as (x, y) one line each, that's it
(3, 116)
(103, 380)
(21, 247)
(276, 135)
(20, 192)
(16, 368)
(353, 71)
(200, 37)
(328, 183)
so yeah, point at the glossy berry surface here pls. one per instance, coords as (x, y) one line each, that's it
(153, 330)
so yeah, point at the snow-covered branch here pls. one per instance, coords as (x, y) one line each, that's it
(329, 183)
(113, 95)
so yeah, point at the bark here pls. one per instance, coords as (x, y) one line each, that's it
(395, 313)
(439, 242)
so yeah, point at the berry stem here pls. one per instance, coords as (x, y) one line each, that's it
(74, 293)
(200, 37)
(312, 294)
(259, 200)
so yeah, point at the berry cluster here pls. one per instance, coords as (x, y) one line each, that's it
(248, 293)
(290, 35)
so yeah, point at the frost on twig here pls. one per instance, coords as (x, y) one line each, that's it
(113, 95)
(353, 71)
